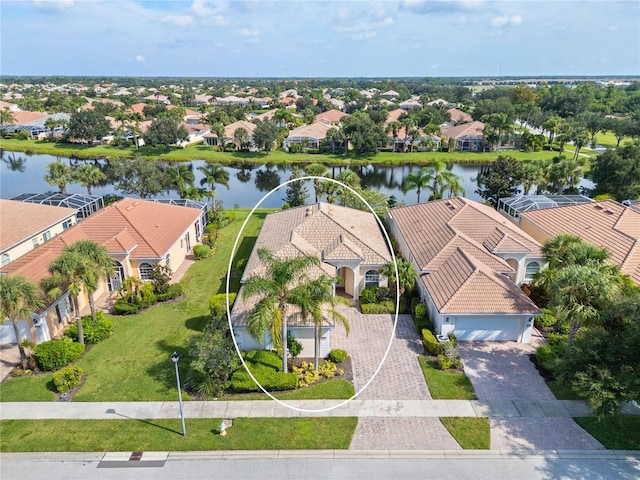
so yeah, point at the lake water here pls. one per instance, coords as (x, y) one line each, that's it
(246, 186)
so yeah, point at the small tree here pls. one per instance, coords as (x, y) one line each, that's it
(160, 276)
(297, 192)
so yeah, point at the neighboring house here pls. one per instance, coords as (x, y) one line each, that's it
(607, 224)
(309, 135)
(211, 139)
(390, 94)
(195, 133)
(458, 116)
(512, 207)
(469, 137)
(83, 204)
(136, 233)
(232, 100)
(410, 104)
(333, 116)
(470, 262)
(25, 226)
(349, 243)
(395, 116)
(158, 98)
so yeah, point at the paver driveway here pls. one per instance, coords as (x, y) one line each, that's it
(503, 371)
(399, 378)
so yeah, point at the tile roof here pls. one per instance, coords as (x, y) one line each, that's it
(465, 285)
(19, 221)
(607, 224)
(230, 129)
(474, 128)
(22, 117)
(147, 229)
(315, 130)
(331, 116)
(459, 116)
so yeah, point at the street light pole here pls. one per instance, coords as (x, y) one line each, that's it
(175, 358)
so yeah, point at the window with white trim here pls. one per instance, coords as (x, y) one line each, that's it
(532, 269)
(144, 270)
(167, 261)
(5, 259)
(371, 278)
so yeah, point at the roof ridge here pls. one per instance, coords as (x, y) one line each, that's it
(117, 207)
(474, 271)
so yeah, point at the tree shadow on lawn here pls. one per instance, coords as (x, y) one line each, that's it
(197, 324)
(164, 370)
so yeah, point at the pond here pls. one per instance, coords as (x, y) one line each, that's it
(22, 173)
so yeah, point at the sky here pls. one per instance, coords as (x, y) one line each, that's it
(308, 38)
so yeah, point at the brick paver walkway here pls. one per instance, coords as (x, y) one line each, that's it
(420, 433)
(540, 434)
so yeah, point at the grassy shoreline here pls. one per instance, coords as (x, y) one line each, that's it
(209, 154)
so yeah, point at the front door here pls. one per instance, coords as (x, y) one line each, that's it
(115, 283)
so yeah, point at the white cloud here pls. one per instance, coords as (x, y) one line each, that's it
(363, 35)
(179, 20)
(506, 20)
(139, 59)
(251, 37)
(52, 4)
(209, 12)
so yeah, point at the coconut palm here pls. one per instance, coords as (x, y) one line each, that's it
(213, 174)
(409, 124)
(393, 128)
(406, 273)
(552, 125)
(445, 180)
(18, 298)
(181, 177)
(316, 170)
(334, 135)
(418, 181)
(134, 119)
(101, 262)
(59, 174)
(565, 173)
(322, 303)
(51, 123)
(6, 117)
(241, 136)
(282, 284)
(218, 129)
(88, 176)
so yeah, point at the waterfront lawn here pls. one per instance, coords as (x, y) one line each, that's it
(134, 363)
(166, 434)
(470, 432)
(615, 433)
(446, 385)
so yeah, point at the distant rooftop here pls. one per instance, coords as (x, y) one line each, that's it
(513, 206)
(84, 205)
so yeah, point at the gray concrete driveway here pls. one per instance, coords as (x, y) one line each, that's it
(503, 371)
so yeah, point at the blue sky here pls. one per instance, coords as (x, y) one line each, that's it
(308, 38)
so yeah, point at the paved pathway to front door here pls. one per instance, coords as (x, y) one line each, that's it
(399, 377)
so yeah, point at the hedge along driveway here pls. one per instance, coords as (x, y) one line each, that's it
(134, 364)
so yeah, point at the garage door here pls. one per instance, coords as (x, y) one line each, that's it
(487, 328)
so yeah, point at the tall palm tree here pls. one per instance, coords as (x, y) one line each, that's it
(18, 298)
(59, 174)
(445, 180)
(218, 129)
(503, 124)
(51, 123)
(552, 125)
(393, 128)
(88, 176)
(134, 119)
(406, 273)
(316, 170)
(322, 302)
(6, 117)
(409, 124)
(214, 173)
(282, 284)
(418, 181)
(241, 136)
(101, 262)
(566, 173)
(181, 177)
(334, 135)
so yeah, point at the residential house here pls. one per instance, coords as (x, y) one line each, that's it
(470, 262)
(211, 139)
(310, 136)
(333, 116)
(349, 243)
(410, 104)
(469, 137)
(158, 98)
(606, 223)
(196, 133)
(458, 116)
(25, 226)
(136, 233)
(390, 94)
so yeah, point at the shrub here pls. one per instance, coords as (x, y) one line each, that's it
(546, 321)
(369, 295)
(453, 339)
(218, 304)
(122, 307)
(67, 378)
(294, 347)
(546, 357)
(444, 362)
(430, 342)
(415, 301)
(451, 353)
(55, 354)
(372, 308)
(201, 251)
(271, 380)
(421, 317)
(266, 358)
(307, 374)
(160, 276)
(94, 332)
(337, 355)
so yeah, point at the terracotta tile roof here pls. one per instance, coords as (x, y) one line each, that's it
(501, 241)
(232, 127)
(331, 116)
(22, 117)
(459, 116)
(607, 224)
(474, 128)
(465, 285)
(146, 228)
(19, 221)
(316, 130)
(395, 115)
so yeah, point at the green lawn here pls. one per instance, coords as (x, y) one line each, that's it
(470, 432)
(38, 388)
(165, 435)
(134, 363)
(445, 385)
(615, 433)
(199, 152)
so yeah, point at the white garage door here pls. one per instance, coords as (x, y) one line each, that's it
(487, 328)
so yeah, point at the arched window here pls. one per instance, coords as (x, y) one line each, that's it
(144, 271)
(532, 269)
(5, 259)
(371, 279)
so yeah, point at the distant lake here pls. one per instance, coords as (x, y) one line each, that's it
(246, 185)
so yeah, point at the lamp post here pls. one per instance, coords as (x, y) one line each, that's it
(175, 358)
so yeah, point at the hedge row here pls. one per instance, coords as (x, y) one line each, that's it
(270, 379)
(386, 306)
(122, 307)
(218, 304)
(266, 358)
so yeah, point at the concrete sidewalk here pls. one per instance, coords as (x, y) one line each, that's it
(300, 408)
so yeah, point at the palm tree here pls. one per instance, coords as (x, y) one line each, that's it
(18, 298)
(503, 124)
(59, 174)
(214, 174)
(241, 136)
(565, 173)
(6, 117)
(444, 180)
(181, 177)
(552, 125)
(51, 123)
(408, 123)
(322, 301)
(418, 181)
(316, 170)
(89, 175)
(283, 284)
(134, 119)
(218, 129)
(334, 135)
(393, 128)
(580, 139)
(102, 265)
(406, 273)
